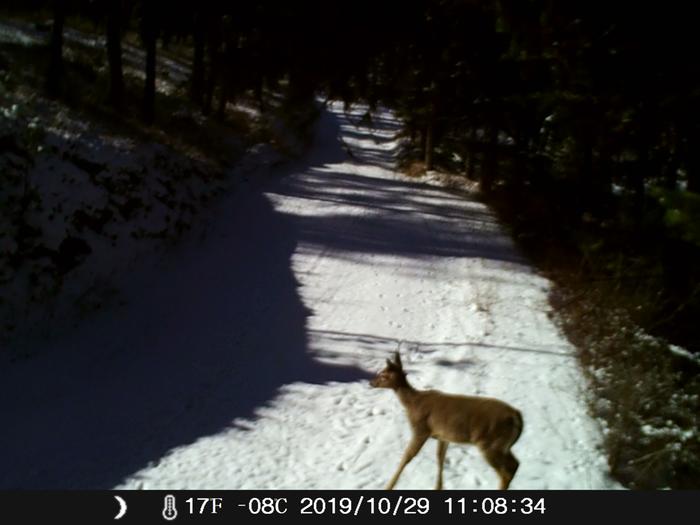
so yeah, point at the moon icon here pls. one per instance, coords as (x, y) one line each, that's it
(122, 507)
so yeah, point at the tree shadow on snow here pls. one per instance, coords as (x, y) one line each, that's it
(209, 339)
(400, 217)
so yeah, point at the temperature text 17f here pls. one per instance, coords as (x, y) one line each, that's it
(204, 505)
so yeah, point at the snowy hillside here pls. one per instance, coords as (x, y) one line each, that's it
(85, 194)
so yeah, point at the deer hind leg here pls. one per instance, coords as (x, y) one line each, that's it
(413, 448)
(504, 462)
(441, 451)
(511, 464)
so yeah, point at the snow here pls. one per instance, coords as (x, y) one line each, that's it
(241, 360)
(682, 352)
(24, 34)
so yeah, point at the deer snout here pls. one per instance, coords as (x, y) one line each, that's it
(373, 382)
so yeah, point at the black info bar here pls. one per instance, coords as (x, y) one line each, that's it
(294, 506)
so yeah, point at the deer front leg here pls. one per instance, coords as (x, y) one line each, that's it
(413, 447)
(441, 451)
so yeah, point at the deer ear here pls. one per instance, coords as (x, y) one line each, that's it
(389, 364)
(397, 360)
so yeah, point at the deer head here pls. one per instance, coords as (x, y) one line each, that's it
(392, 376)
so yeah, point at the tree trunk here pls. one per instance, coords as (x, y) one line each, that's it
(114, 53)
(429, 145)
(221, 109)
(214, 51)
(643, 168)
(259, 92)
(585, 175)
(224, 90)
(694, 176)
(54, 78)
(209, 89)
(430, 132)
(197, 86)
(488, 173)
(470, 154)
(670, 169)
(603, 179)
(150, 35)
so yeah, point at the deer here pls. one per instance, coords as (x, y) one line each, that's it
(491, 424)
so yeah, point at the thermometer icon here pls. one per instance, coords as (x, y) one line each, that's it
(169, 510)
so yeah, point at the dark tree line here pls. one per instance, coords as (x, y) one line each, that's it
(576, 101)
(604, 93)
(602, 89)
(237, 48)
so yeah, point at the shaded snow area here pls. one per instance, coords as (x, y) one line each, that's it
(242, 361)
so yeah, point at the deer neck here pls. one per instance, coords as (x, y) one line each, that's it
(406, 394)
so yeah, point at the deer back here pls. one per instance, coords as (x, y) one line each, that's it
(462, 419)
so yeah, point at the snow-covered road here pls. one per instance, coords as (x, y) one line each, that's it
(242, 361)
